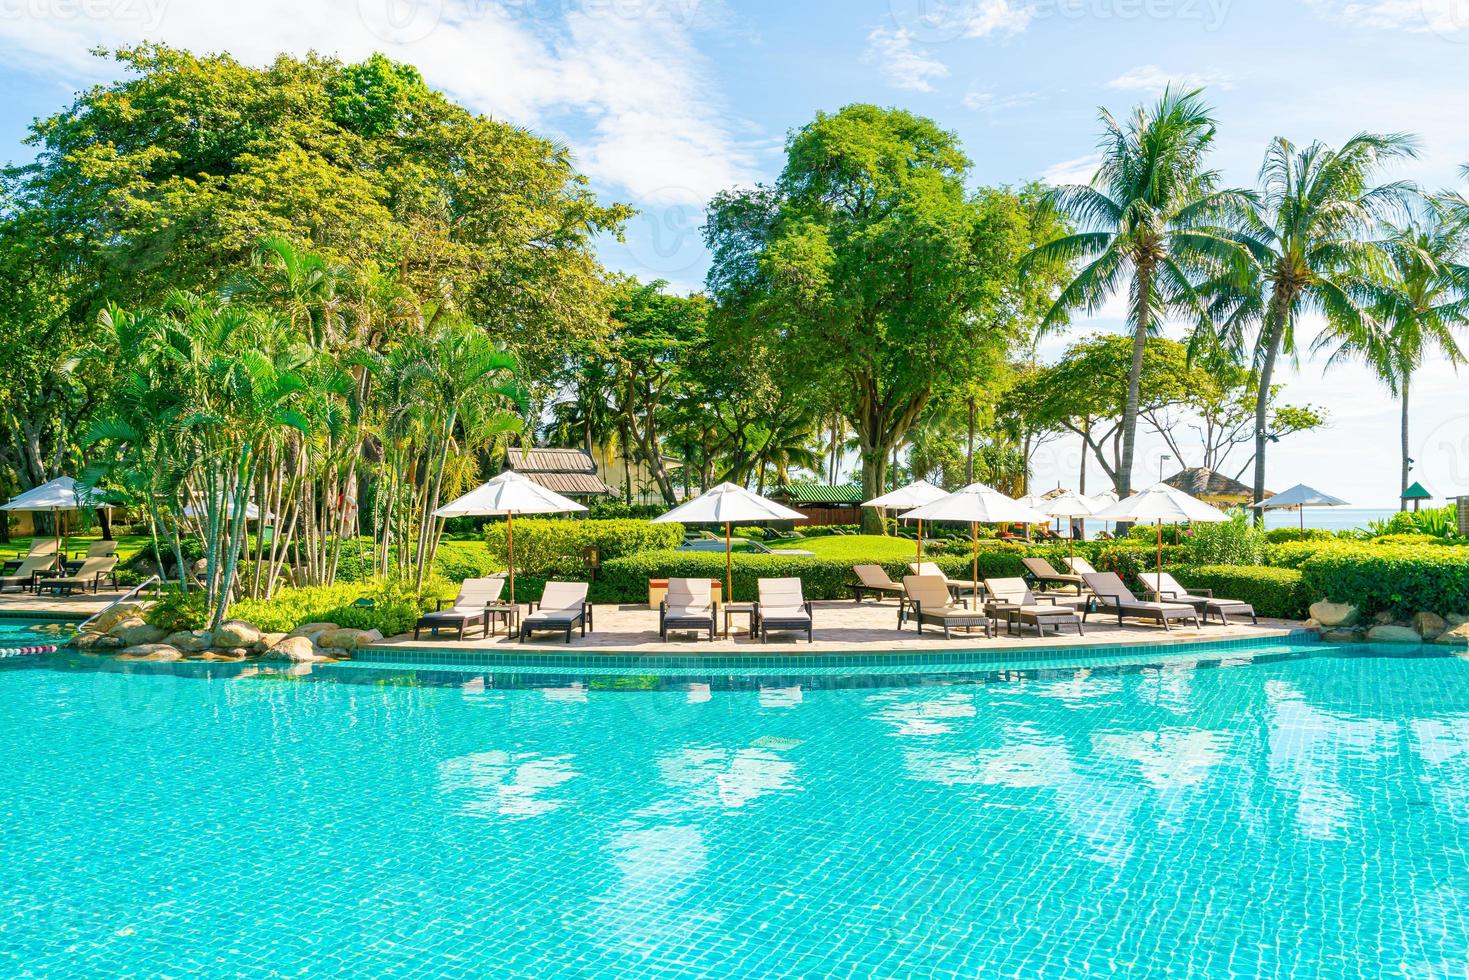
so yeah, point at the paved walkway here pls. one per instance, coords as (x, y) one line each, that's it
(80, 605)
(841, 626)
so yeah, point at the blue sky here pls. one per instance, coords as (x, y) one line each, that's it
(667, 101)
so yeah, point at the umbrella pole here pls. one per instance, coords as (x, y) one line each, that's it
(60, 548)
(1160, 546)
(920, 539)
(728, 568)
(974, 593)
(510, 550)
(1301, 510)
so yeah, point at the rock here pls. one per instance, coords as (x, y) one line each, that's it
(126, 623)
(107, 643)
(1383, 618)
(1458, 636)
(1341, 636)
(85, 641)
(113, 616)
(235, 633)
(151, 651)
(190, 640)
(296, 648)
(1429, 625)
(1311, 624)
(1334, 613)
(313, 629)
(1457, 619)
(347, 639)
(138, 634)
(267, 641)
(227, 655)
(1388, 633)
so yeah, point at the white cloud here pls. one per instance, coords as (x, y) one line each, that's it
(901, 63)
(631, 70)
(1077, 171)
(1447, 17)
(985, 100)
(998, 17)
(1151, 78)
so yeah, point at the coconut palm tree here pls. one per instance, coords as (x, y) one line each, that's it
(1152, 220)
(1310, 239)
(1417, 305)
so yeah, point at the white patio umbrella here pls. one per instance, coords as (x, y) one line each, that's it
(906, 498)
(1069, 505)
(1299, 497)
(1102, 500)
(60, 494)
(252, 513)
(1160, 503)
(509, 494)
(978, 504)
(726, 504)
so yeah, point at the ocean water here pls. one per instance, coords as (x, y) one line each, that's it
(1291, 811)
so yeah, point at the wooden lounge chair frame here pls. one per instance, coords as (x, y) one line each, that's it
(1112, 596)
(471, 607)
(930, 590)
(1043, 571)
(1165, 587)
(871, 584)
(92, 571)
(1014, 600)
(569, 610)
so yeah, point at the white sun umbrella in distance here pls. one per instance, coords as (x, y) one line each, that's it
(906, 498)
(1102, 500)
(978, 504)
(1160, 503)
(509, 494)
(727, 504)
(1299, 497)
(60, 494)
(252, 513)
(1069, 505)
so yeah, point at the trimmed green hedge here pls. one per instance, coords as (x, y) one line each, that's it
(1398, 579)
(1278, 593)
(572, 549)
(395, 608)
(625, 580)
(1280, 535)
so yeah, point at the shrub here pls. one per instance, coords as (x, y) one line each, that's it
(573, 549)
(1233, 542)
(1412, 540)
(606, 510)
(1281, 535)
(1278, 593)
(1293, 554)
(177, 611)
(625, 580)
(457, 561)
(394, 606)
(1393, 578)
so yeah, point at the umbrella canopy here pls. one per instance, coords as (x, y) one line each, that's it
(1160, 502)
(506, 495)
(726, 504)
(252, 513)
(979, 504)
(1069, 504)
(1301, 495)
(62, 493)
(913, 495)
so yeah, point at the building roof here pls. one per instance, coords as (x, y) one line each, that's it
(566, 471)
(811, 492)
(1203, 482)
(1417, 492)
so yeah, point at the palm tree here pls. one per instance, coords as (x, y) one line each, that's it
(1309, 239)
(1416, 305)
(1152, 215)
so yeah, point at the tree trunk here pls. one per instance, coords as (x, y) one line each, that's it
(1142, 317)
(874, 475)
(1262, 412)
(1403, 504)
(1081, 475)
(969, 446)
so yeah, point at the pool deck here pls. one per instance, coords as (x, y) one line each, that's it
(77, 606)
(841, 627)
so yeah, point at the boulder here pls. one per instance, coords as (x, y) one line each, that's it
(1457, 636)
(296, 648)
(1388, 633)
(1334, 613)
(1347, 635)
(1429, 625)
(151, 651)
(347, 639)
(1383, 618)
(190, 640)
(113, 616)
(267, 641)
(313, 629)
(84, 641)
(125, 623)
(235, 633)
(138, 633)
(1456, 619)
(107, 643)
(229, 655)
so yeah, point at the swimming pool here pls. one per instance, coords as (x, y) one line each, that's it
(17, 633)
(1292, 810)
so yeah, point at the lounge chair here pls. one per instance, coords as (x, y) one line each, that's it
(91, 573)
(563, 607)
(688, 605)
(1080, 566)
(39, 548)
(957, 587)
(24, 577)
(781, 607)
(469, 609)
(874, 580)
(1164, 587)
(1044, 572)
(1113, 596)
(97, 549)
(931, 602)
(1012, 599)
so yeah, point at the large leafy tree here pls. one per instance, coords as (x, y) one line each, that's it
(870, 266)
(1153, 221)
(1417, 305)
(1311, 244)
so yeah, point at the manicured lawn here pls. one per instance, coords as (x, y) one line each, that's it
(854, 547)
(128, 545)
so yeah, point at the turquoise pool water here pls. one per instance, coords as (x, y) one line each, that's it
(16, 633)
(1289, 811)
